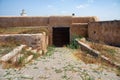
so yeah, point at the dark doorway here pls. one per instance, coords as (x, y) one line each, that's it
(61, 36)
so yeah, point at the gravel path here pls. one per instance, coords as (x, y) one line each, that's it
(61, 65)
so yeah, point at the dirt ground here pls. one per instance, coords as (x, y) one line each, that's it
(61, 65)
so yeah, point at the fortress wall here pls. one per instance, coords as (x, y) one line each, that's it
(84, 19)
(23, 21)
(78, 25)
(107, 32)
(79, 29)
(52, 21)
(60, 21)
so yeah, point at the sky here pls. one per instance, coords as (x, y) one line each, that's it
(103, 9)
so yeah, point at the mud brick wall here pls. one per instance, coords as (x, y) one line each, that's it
(74, 23)
(107, 32)
(84, 19)
(79, 29)
(79, 25)
(32, 40)
(60, 21)
(52, 21)
(23, 21)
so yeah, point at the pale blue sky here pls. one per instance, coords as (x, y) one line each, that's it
(104, 9)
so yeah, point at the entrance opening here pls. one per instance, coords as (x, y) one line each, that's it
(61, 36)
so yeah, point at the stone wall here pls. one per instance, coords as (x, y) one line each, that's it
(52, 21)
(60, 21)
(78, 25)
(107, 32)
(23, 21)
(104, 32)
(80, 29)
(84, 19)
(39, 41)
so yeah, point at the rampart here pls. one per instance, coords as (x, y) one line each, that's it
(74, 23)
(23, 21)
(107, 32)
(52, 21)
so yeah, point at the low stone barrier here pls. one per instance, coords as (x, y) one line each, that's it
(16, 56)
(36, 44)
(85, 47)
(13, 53)
(28, 58)
(96, 53)
(39, 41)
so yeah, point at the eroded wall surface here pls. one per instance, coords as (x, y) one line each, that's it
(52, 21)
(60, 21)
(77, 25)
(84, 19)
(23, 21)
(39, 41)
(107, 32)
(80, 29)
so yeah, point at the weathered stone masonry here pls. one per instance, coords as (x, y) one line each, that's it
(36, 41)
(74, 23)
(105, 31)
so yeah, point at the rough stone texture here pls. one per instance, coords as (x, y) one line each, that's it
(107, 60)
(84, 19)
(53, 21)
(32, 40)
(96, 53)
(13, 56)
(86, 47)
(28, 58)
(60, 21)
(16, 58)
(13, 53)
(80, 29)
(23, 21)
(105, 32)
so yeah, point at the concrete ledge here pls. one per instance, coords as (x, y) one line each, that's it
(18, 57)
(96, 53)
(13, 53)
(85, 47)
